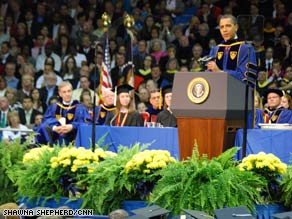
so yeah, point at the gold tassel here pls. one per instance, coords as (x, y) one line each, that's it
(160, 99)
(115, 97)
(283, 92)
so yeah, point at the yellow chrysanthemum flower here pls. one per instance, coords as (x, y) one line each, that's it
(146, 171)
(74, 169)
(54, 165)
(65, 163)
(267, 165)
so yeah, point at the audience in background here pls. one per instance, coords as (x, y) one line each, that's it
(27, 113)
(13, 123)
(286, 101)
(65, 40)
(11, 96)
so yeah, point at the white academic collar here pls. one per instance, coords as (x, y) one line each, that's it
(67, 103)
(235, 38)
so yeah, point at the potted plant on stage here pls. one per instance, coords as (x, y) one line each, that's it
(202, 184)
(54, 173)
(10, 156)
(129, 176)
(270, 169)
(286, 188)
(143, 171)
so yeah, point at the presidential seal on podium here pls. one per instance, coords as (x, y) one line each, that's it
(198, 90)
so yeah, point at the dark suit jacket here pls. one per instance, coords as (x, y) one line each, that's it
(2, 65)
(20, 95)
(21, 114)
(44, 95)
(139, 61)
(118, 77)
(89, 55)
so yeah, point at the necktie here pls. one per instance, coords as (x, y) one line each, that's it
(227, 50)
(3, 120)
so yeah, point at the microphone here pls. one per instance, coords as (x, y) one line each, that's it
(206, 58)
(112, 120)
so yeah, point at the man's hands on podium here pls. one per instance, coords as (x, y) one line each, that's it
(212, 66)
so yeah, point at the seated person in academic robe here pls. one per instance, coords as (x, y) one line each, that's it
(102, 111)
(62, 119)
(106, 107)
(156, 103)
(85, 100)
(125, 113)
(166, 118)
(274, 112)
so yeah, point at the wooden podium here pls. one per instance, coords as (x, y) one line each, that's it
(212, 122)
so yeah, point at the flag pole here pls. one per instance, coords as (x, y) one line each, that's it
(106, 21)
(128, 23)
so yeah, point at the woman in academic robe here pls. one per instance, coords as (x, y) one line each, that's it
(125, 113)
(166, 117)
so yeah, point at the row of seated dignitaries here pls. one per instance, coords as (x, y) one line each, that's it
(61, 119)
(274, 110)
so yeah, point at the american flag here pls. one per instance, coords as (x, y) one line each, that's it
(105, 78)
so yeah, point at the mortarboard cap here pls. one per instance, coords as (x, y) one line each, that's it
(167, 89)
(233, 213)
(125, 88)
(152, 211)
(272, 90)
(198, 214)
(284, 215)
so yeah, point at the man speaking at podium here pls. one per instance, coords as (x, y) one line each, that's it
(233, 55)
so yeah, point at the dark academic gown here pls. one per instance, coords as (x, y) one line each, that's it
(75, 114)
(132, 119)
(166, 118)
(233, 56)
(153, 113)
(102, 113)
(280, 115)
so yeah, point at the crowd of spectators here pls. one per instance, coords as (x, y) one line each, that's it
(45, 42)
